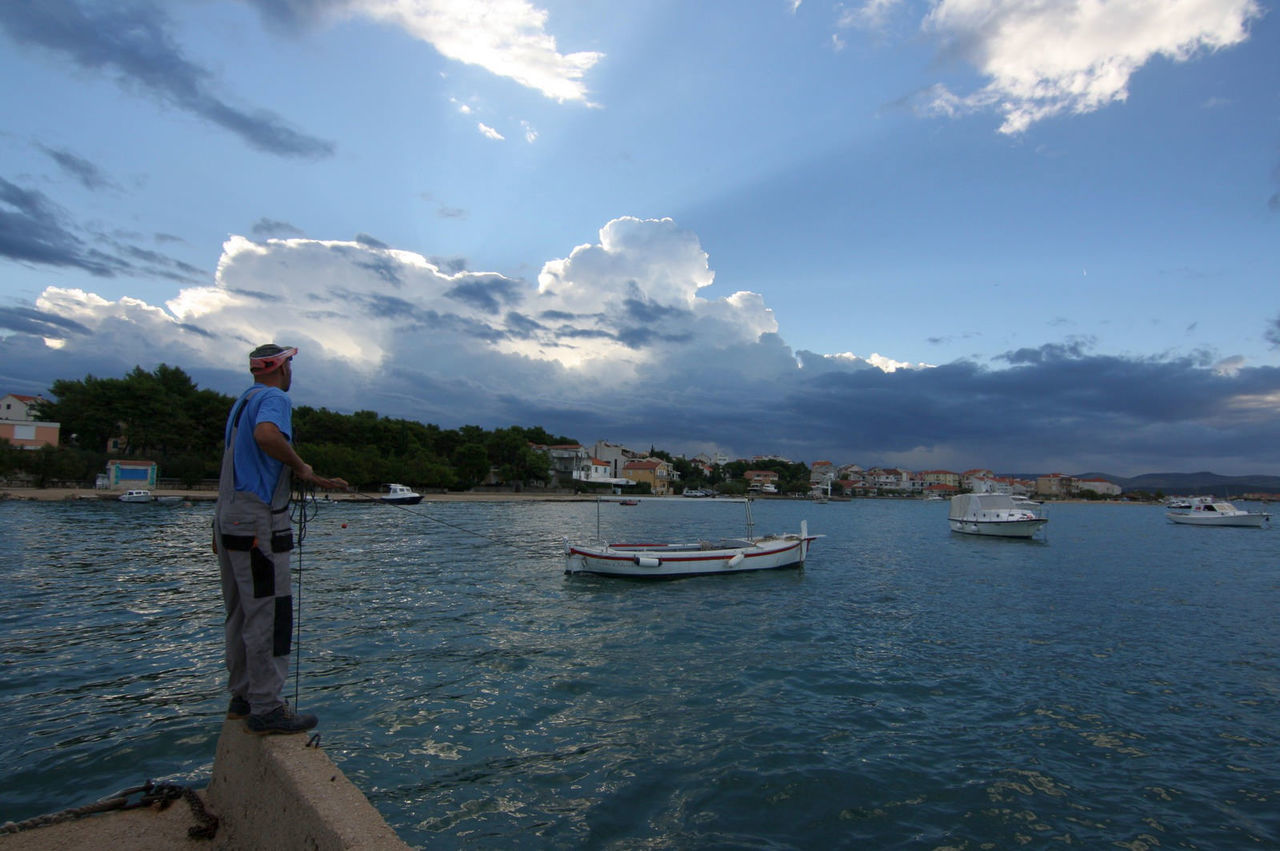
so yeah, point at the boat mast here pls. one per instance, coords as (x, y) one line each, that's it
(751, 525)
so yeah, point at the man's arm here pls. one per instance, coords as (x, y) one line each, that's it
(274, 443)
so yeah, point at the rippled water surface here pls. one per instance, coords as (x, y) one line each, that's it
(1118, 684)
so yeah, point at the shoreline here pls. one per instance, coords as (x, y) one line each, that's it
(91, 494)
(29, 494)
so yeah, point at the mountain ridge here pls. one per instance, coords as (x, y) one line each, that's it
(1202, 483)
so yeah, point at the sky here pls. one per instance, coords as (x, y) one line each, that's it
(947, 234)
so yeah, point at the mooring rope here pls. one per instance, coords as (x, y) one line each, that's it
(151, 794)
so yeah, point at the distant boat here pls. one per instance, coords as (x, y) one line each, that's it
(136, 496)
(993, 514)
(628, 502)
(1207, 511)
(401, 495)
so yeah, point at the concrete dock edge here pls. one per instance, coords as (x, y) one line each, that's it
(269, 792)
(275, 792)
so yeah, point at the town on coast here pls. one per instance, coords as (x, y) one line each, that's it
(156, 431)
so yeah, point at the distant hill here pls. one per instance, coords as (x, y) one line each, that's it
(1192, 484)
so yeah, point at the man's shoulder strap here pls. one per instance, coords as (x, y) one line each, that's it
(235, 421)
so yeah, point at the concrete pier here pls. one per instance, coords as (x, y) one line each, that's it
(268, 792)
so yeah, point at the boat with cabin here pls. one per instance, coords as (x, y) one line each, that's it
(135, 496)
(401, 495)
(994, 514)
(1208, 511)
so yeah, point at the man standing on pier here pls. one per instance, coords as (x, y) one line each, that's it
(253, 538)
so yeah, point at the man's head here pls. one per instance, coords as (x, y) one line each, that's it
(270, 364)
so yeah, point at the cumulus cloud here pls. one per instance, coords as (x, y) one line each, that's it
(508, 38)
(1074, 56)
(623, 339)
(135, 44)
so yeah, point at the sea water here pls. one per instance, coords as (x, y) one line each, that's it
(1117, 684)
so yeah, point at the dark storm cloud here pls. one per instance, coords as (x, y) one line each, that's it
(385, 306)
(157, 265)
(265, 227)
(452, 265)
(255, 294)
(1079, 406)
(558, 315)
(386, 268)
(641, 336)
(1272, 334)
(370, 241)
(648, 311)
(295, 15)
(28, 320)
(196, 329)
(1045, 353)
(33, 229)
(135, 44)
(89, 175)
(522, 326)
(488, 293)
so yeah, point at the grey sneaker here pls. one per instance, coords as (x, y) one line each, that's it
(238, 708)
(282, 719)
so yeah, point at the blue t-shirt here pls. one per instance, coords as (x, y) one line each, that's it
(255, 470)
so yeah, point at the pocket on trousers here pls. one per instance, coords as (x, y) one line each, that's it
(282, 542)
(263, 570)
(281, 636)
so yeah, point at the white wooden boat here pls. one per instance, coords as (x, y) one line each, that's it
(1207, 511)
(401, 495)
(135, 496)
(994, 514)
(663, 560)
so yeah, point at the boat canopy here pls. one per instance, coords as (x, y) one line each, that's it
(969, 504)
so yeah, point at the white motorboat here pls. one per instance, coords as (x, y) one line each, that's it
(697, 558)
(135, 496)
(401, 495)
(1207, 511)
(994, 514)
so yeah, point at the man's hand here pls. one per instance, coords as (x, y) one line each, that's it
(334, 484)
(275, 444)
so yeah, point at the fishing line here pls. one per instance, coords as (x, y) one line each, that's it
(371, 498)
(303, 508)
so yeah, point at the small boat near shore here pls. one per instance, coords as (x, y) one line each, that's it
(1207, 511)
(401, 495)
(994, 514)
(670, 560)
(135, 496)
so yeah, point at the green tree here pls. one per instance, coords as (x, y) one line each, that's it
(85, 409)
(471, 462)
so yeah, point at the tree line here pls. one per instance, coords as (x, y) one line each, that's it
(163, 416)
